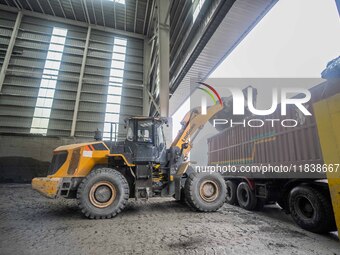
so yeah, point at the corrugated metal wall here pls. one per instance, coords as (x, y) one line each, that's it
(20, 89)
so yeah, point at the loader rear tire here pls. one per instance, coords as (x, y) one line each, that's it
(205, 192)
(103, 194)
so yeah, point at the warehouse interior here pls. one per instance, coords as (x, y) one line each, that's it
(72, 67)
(106, 64)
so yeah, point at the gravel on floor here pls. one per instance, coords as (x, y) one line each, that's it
(33, 224)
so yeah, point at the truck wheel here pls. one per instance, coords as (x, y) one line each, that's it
(311, 209)
(260, 202)
(205, 192)
(231, 197)
(246, 197)
(103, 194)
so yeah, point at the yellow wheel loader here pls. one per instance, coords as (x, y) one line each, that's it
(103, 175)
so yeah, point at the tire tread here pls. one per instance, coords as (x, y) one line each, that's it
(189, 195)
(328, 221)
(125, 195)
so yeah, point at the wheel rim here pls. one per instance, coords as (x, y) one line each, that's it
(209, 191)
(102, 194)
(304, 207)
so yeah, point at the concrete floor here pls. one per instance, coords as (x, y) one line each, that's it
(32, 224)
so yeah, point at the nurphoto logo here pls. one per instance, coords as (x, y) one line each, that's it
(244, 99)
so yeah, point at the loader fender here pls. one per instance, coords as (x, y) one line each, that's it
(179, 184)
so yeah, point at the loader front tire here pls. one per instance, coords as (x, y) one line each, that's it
(205, 192)
(103, 194)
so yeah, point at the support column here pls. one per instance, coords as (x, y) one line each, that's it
(164, 56)
(10, 48)
(80, 82)
(146, 73)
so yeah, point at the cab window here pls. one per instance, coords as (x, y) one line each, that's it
(130, 131)
(144, 131)
(160, 136)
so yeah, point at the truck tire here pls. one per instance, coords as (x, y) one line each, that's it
(246, 197)
(231, 197)
(311, 209)
(260, 202)
(103, 194)
(205, 192)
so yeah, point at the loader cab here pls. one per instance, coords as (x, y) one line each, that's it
(145, 138)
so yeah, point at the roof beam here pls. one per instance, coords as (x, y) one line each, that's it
(195, 48)
(73, 12)
(10, 49)
(72, 22)
(38, 1)
(114, 12)
(101, 4)
(84, 14)
(49, 4)
(146, 13)
(94, 13)
(62, 9)
(125, 17)
(151, 17)
(29, 5)
(87, 12)
(17, 4)
(134, 27)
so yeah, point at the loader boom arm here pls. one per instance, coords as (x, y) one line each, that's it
(192, 123)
